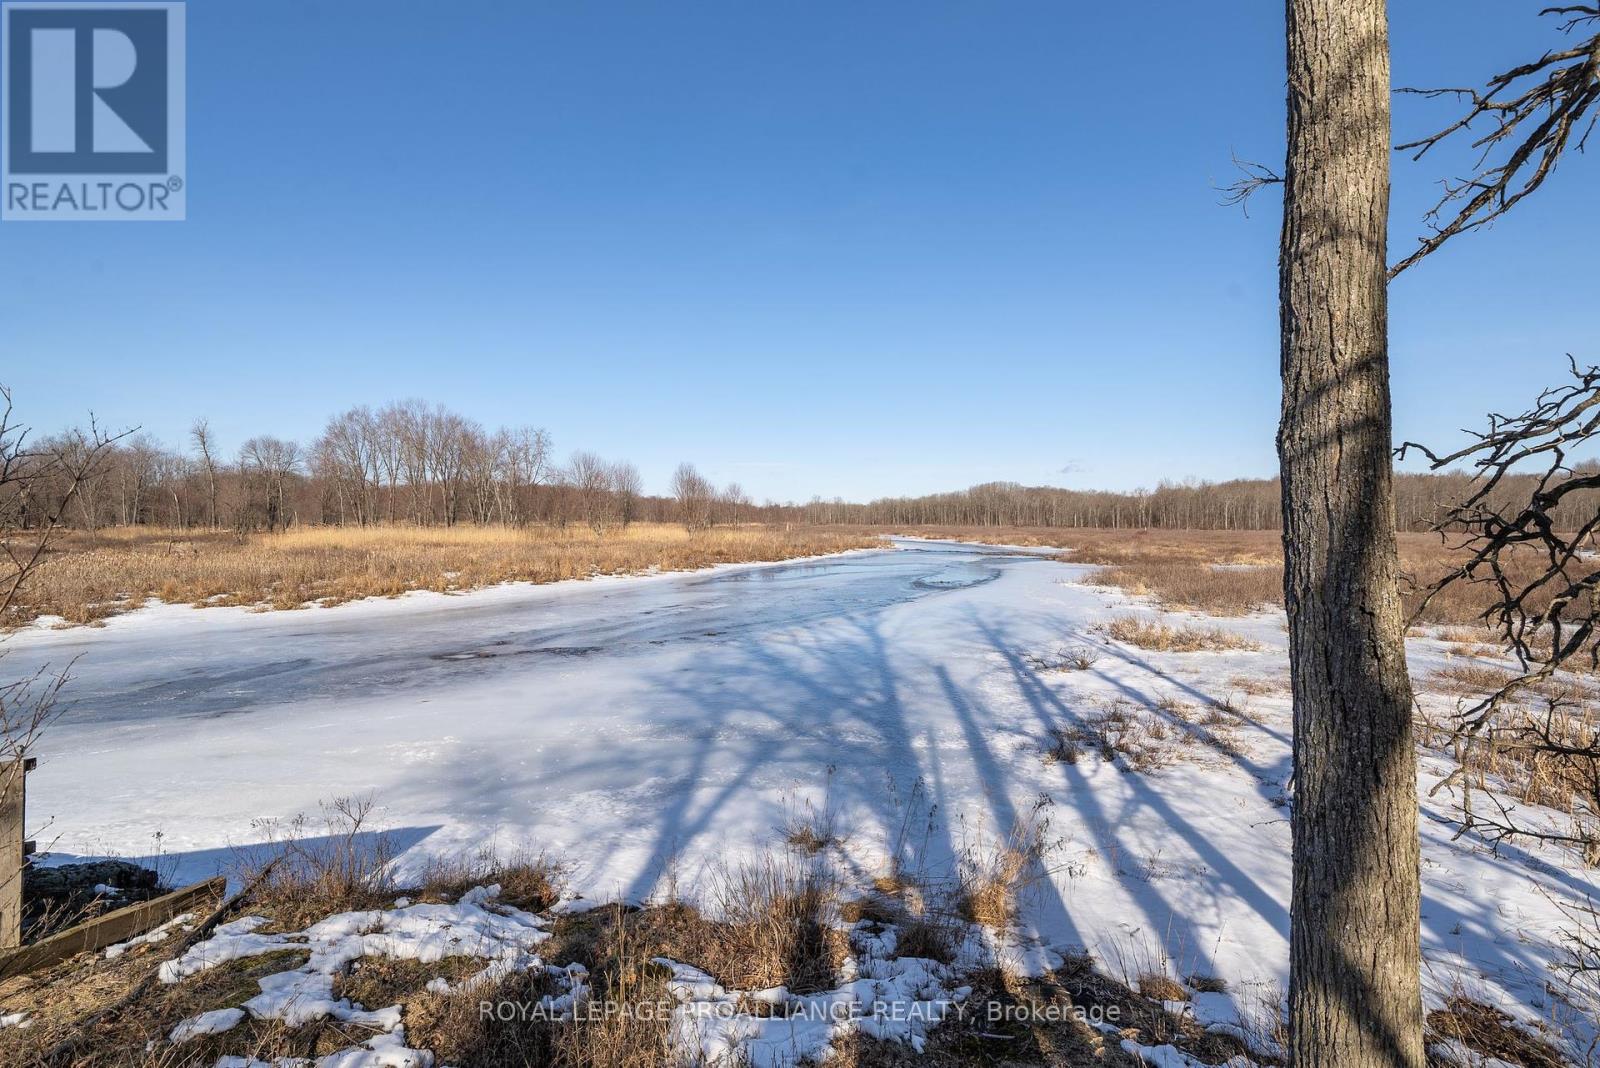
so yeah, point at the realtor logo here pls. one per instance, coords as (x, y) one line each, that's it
(92, 116)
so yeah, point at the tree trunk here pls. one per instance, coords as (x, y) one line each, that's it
(1354, 998)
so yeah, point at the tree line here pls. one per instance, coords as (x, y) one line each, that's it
(1236, 504)
(418, 464)
(404, 463)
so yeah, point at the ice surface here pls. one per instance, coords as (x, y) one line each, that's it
(653, 728)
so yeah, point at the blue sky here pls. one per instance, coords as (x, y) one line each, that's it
(827, 248)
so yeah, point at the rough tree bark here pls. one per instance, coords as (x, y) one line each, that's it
(1354, 989)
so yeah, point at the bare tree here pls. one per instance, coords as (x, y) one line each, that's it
(347, 455)
(590, 478)
(694, 495)
(173, 472)
(734, 501)
(37, 486)
(527, 466)
(1355, 998)
(136, 474)
(200, 436)
(448, 439)
(627, 487)
(272, 461)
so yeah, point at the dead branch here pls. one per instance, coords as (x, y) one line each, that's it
(1252, 178)
(1534, 111)
(1535, 551)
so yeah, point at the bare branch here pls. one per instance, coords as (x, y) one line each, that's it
(1535, 111)
(1252, 178)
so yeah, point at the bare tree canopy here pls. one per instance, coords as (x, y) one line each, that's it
(1535, 112)
(1544, 586)
(37, 486)
(1543, 573)
(695, 496)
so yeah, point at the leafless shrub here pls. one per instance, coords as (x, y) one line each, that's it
(344, 868)
(1120, 729)
(1080, 657)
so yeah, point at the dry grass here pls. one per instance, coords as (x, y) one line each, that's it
(1539, 744)
(811, 829)
(1490, 1032)
(90, 577)
(613, 945)
(1147, 740)
(1259, 685)
(1033, 537)
(1159, 637)
(1457, 635)
(761, 940)
(1201, 587)
(1161, 987)
(768, 923)
(1236, 572)
(1469, 680)
(1225, 573)
(996, 873)
(311, 875)
(315, 876)
(528, 879)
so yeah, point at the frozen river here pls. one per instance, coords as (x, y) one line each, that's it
(647, 730)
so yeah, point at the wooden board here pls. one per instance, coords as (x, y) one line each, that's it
(13, 776)
(111, 928)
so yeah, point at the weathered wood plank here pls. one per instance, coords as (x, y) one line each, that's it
(13, 779)
(111, 928)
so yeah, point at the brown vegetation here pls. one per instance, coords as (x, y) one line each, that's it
(995, 874)
(1491, 1033)
(1147, 740)
(773, 921)
(1159, 637)
(1232, 572)
(91, 576)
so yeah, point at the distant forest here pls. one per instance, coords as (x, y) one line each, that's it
(419, 464)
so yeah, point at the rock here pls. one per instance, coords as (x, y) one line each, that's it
(56, 898)
(80, 880)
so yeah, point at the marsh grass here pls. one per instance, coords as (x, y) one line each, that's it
(89, 577)
(1160, 637)
(995, 872)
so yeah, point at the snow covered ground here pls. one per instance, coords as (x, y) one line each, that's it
(648, 729)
